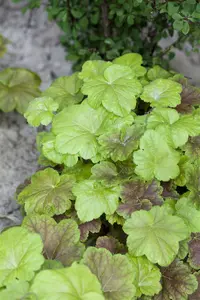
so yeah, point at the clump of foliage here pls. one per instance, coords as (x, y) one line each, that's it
(115, 211)
(18, 86)
(106, 29)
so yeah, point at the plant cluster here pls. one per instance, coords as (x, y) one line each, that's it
(18, 86)
(115, 211)
(107, 29)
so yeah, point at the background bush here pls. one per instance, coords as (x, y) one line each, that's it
(106, 29)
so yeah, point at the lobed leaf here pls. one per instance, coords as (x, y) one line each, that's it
(65, 91)
(40, 111)
(114, 272)
(146, 276)
(186, 210)
(49, 193)
(194, 251)
(137, 195)
(111, 244)
(115, 90)
(76, 129)
(15, 290)
(155, 234)
(155, 159)
(20, 255)
(119, 144)
(61, 241)
(93, 226)
(93, 199)
(162, 93)
(190, 96)
(18, 87)
(177, 282)
(132, 60)
(69, 283)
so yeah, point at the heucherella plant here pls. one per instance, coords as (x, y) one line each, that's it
(115, 212)
(18, 86)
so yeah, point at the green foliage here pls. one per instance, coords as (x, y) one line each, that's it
(115, 212)
(17, 88)
(107, 29)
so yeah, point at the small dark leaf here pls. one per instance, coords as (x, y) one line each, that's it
(196, 294)
(61, 241)
(190, 96)
(177, 282)
(192, 148)
(93, 226)
(138, 195)
(194, 251)
(169, 191)
(111, 244)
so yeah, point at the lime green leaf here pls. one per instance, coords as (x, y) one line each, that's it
(61, 241)
(157, 72)
(162, 93)
(137, 195)
(111, 244)
(76, 129)
(48, 193)
(177, 282)
(155, 158)
(183, 248)
(17, 88)
(93, 68)
(115, 90)
(175, 129)
(16, 290)
(93, 226)
(80, 171)
(49, 151)
(65, 91)
(115, 218)
(169, 206)
(186, 210)
(132, 60)
(75, 282)
(93, 199)
(114, 272)
(155, 234)
(146, 276)
(183, 165)
(119, 144)
(44, 162)
(20, 255)
(50, 264)
(40, 111)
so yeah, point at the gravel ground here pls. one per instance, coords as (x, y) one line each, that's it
(35, 45)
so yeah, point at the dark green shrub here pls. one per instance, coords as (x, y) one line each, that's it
(94, 29)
